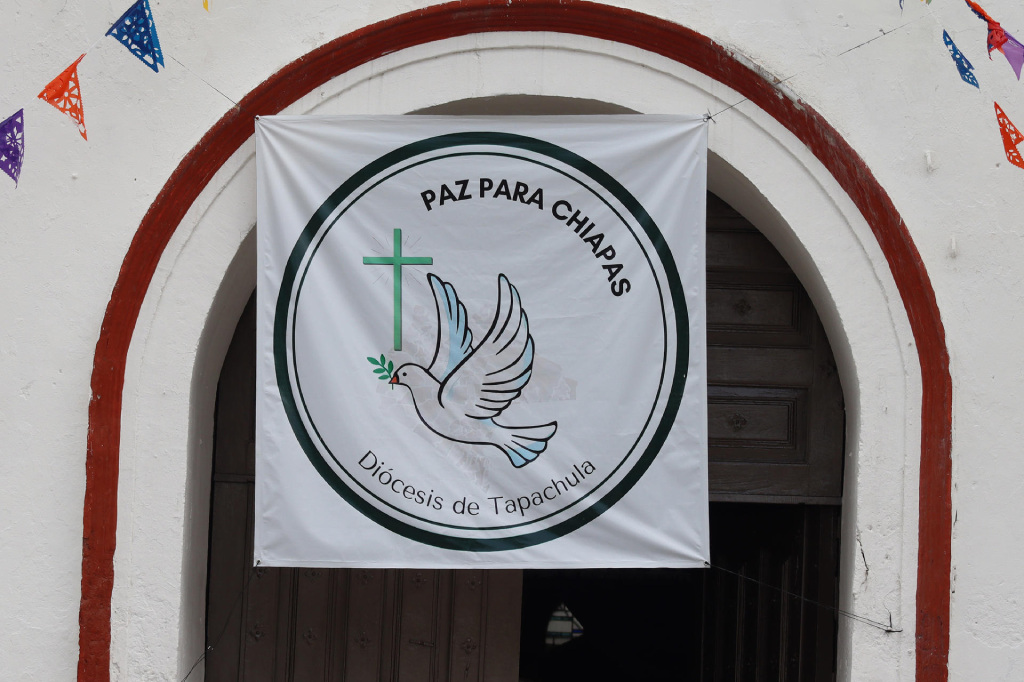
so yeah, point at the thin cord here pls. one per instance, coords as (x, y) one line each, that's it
(882, 34)
(98, 41)
(204, 80)
(835, 609)
(711, 117)
(220, 635)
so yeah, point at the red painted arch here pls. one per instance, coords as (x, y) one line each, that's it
(479, 16)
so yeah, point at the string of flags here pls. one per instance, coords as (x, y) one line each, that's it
(999, 39)
(135, 30)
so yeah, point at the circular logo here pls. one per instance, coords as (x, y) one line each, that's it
(481, 341)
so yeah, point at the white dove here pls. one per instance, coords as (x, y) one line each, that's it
(464, 388)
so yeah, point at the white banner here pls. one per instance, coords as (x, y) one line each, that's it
(481, 342)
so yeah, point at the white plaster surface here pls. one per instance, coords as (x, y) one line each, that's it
(930, 140)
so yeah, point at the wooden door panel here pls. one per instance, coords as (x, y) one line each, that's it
(732, 245)
(502, 616)
(228, 528)
(420, 631)
(756, 312)
(367, 624)
(313, 597)
(759, 367)
(775, 406)
(468, 603)
(264, 607)
(749, 424)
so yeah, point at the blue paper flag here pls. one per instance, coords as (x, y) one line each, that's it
(962, 65)
(136, 31)
(12, 145)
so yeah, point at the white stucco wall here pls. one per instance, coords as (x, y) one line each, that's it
(930, 139)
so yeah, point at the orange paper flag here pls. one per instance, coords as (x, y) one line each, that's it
(63, 93)
(1011, 138)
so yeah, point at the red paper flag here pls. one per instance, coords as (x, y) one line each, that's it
(996, 35)
(1011, 138)
(63, 93)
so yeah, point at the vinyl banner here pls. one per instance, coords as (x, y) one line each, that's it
(481, 342)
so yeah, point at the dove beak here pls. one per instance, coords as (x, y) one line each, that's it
(394, 380)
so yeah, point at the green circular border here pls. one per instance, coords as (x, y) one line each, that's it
(676, 294)
(318, 242)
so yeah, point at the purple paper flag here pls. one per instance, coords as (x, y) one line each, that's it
(12, 145)
(962, 65)
(136, 31)
(1014, 53)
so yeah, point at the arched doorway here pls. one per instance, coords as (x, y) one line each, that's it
(778, 161)
(766, 608)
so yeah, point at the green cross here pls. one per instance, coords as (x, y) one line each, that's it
(398, 261)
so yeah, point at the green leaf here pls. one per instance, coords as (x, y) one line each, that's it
(381, 363)
(384, 378)
(373, 361)
(379, 370)
(391, 367)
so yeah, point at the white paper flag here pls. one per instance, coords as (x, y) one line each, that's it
(481, 342)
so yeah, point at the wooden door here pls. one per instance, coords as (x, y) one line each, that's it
(308, 624)
(775, 406)
(776, 422)
(764, 611)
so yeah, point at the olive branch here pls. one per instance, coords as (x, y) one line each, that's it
(382, 368)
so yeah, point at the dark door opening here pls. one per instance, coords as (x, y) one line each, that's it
(757, 615)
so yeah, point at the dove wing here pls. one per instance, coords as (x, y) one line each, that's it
(495, 373)
(454, 338)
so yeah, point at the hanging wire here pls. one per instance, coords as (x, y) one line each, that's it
(834, 609)
(824, 62)
(218, 90)
(224, 628)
